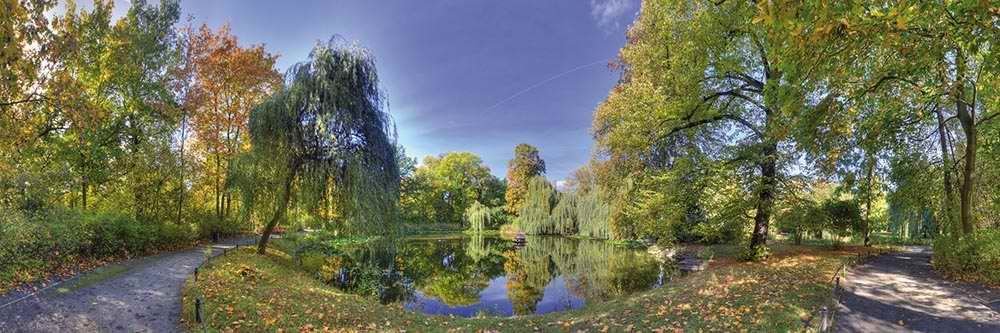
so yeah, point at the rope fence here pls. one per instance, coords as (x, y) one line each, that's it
(199, 303)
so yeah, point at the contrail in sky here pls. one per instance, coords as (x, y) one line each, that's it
(542, 82)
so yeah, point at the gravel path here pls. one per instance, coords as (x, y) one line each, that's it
(141, 295)
(900, 292)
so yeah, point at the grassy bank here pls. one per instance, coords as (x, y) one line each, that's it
(243, 291)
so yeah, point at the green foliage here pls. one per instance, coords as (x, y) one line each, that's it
(442, 188)
(547, 212)
(298, 146)
(754, 253)
(842, 217)
(535, 215)
(710, 93)
(971, 257)
(479, 217)
(593, 215)
(59, 239)
(564, 215)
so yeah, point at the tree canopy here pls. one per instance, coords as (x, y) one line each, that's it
(526, 164)
(328, 128)
(442, 188)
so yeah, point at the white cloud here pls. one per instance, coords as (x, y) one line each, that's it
(562, 185)
(608, 13)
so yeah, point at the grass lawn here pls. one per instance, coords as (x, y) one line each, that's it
(247, 292)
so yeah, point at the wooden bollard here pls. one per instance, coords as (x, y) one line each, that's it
(825, 320)
(196, 273)
(197, 310)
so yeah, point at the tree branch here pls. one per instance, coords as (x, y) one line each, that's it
(32, 98)
(988, 118)
(763, 57)
(719, 117)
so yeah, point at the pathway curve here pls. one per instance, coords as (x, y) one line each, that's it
(142, 295)
(900, 292)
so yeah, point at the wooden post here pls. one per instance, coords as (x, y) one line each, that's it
(197, 310)
(825, 321)
(196, 273)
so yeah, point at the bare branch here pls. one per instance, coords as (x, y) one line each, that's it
(719, 117)
(32, 98)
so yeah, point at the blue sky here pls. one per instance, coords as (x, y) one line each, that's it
(475, 75)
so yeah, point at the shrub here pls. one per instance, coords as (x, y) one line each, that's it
(756, 253)
(43, 241)
(973, 257)
(209, 226)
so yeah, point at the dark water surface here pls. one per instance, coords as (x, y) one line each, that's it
(470, 276)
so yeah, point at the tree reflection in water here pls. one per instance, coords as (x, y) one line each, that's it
(475, 275)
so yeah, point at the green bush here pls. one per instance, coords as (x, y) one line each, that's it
(973, 257)
(211, 225)
(36, 243)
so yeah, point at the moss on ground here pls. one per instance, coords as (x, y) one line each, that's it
(246, 292)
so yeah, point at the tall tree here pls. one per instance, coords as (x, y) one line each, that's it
(27, 53)
(526, 165)
(229, 81)
(947, 54)
(736, 75)
(329, 127)
(115, 111)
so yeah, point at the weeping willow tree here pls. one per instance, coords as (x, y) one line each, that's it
(534, 217)
(564, 215)
(327, 129)
(593, 215)
(478, 216)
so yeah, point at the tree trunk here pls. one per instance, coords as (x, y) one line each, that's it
(279, 212)
(969, 176)
(218, 189)
(765, 199)
(867, 228)
(180, 195)
(949, 191)
(229, 204)
(83, 192)
(967, 117)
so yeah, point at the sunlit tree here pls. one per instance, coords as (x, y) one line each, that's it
(327, 128)
(526, 164)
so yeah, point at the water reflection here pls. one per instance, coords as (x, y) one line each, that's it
(489, 276)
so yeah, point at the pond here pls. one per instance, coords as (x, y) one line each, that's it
(475, 276)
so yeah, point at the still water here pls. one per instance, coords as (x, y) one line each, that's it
(471, 276)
